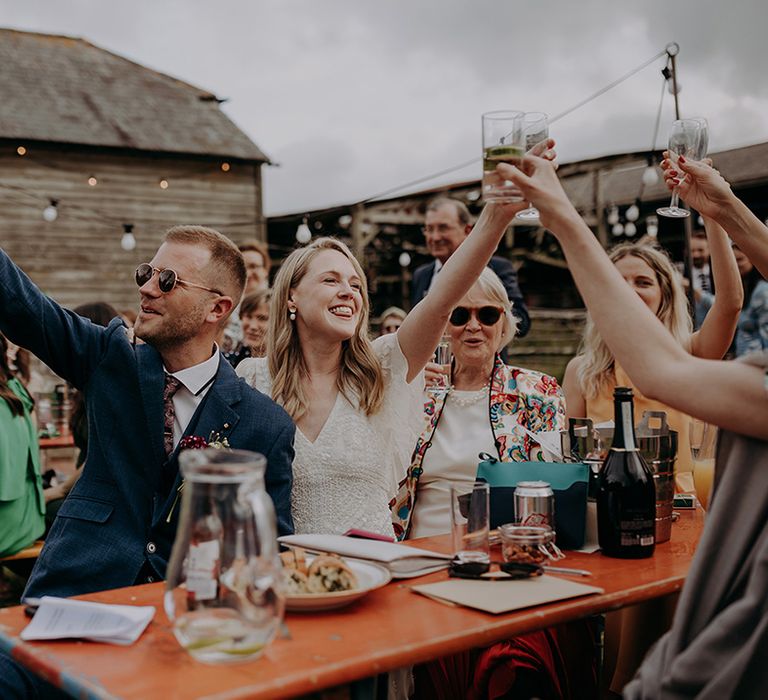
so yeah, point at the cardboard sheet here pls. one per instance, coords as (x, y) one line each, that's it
(499, 596)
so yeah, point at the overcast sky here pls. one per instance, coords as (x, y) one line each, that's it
(355, 97)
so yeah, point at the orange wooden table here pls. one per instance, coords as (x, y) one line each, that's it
(389, 628)
(60, 441)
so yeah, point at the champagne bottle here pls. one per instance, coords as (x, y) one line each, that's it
(626, 495)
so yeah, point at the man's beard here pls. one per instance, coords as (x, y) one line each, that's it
(173, 332)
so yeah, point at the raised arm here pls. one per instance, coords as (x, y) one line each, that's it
(69, 344)
(703, 188)
(714, 337)
(421, 330)
(729, 394)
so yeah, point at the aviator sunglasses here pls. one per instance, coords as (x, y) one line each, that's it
(487, 315)
(167, 279)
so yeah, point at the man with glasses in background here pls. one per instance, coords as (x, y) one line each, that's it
(117, 526)
(447, 223)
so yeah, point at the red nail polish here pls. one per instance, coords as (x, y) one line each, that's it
(682, 159)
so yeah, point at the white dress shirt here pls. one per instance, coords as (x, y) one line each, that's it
(195, 383)
(438, 267)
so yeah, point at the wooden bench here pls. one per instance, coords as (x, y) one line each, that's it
(32, 552)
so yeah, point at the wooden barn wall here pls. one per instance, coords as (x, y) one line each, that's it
(78, 257)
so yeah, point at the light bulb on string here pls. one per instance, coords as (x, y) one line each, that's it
(128, 241)
(225, 167)
(630, 229)
(51, 212)
(618, 229)
(613, 216)
(303, 234)
(92, 181)
(405, 259)
(21, 150)
(632, 213)
(652, 226)
(163, 183)
(650, 176)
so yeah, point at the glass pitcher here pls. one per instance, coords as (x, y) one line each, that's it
(223, 588)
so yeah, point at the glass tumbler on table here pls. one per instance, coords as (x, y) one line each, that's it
(470, 517)
(223, 589)
(503, 142)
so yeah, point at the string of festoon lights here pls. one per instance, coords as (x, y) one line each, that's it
(649, 177)
(52, 206)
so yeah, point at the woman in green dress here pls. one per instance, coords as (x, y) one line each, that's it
(22, 507)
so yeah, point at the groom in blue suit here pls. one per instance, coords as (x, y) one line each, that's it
(117, 525)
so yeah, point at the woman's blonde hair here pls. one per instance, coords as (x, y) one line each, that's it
(598, 362)
(360, 376)
(490, 285)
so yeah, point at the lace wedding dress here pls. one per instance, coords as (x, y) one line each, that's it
(347, 476)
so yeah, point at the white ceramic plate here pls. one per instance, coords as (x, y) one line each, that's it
(370, 576)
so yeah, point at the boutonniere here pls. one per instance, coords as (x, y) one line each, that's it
(197, 442)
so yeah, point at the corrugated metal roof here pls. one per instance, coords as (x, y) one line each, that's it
(66, 90)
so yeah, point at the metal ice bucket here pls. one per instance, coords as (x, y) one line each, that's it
(658, 445)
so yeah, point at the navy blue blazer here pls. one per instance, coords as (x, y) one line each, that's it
(112, 526)
(422, 278)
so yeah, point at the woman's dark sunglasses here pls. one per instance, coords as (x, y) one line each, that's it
(487, 315)
(166, 279)
(477, 570)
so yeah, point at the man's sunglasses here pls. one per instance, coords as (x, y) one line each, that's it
(487, 315)
(167, 279)
(480, 570)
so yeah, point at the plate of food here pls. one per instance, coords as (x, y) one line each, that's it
(328, 581)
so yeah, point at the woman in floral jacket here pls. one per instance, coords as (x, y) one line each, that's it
(490, 408)
(494, 408)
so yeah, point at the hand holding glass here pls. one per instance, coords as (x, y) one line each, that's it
(503, 142)
(688, 138)
(536, 126)
(444, 358)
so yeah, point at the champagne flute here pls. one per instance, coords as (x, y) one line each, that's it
(703, 437)
(443, 357)
(536, 127)
(685, 139)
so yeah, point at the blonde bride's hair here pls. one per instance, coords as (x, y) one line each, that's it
(597, 360)
(360, 376)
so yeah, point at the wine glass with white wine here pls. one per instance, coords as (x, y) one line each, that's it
(687, 138)
(536, 128)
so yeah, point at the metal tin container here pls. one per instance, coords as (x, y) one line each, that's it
(535, 504)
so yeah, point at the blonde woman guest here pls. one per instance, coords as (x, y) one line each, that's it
(716, 646)
(592, 375)
(356, 403)
(391, 320)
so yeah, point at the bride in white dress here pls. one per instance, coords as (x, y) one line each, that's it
(357, 403)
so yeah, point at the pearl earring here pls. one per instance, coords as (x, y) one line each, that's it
(292, 314)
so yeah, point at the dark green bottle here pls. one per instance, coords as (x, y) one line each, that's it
(626, 493)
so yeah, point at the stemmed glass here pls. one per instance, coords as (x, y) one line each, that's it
(536, 128)
(443, 357)
(689, 138)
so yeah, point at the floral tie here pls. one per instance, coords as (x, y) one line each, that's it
(171, 387)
